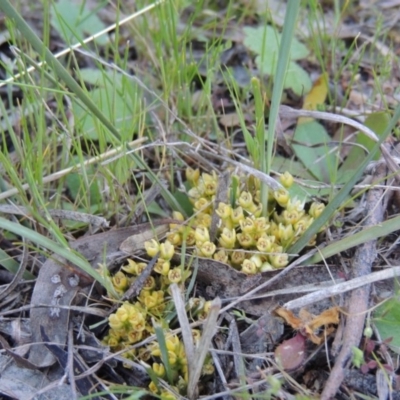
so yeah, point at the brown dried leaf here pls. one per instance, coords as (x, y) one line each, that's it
(308, 323)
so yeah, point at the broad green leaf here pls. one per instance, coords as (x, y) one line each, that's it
(265, 42)
(297, 79)
(254, 40)
(312, 150)
(387, 320)
(75, 22)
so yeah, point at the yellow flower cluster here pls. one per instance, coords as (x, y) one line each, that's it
(177, 360)
(246, 240)
(132, 322)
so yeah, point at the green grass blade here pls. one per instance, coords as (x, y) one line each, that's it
(337, 201)
(279, 80)
(54, 247)
(374, 232)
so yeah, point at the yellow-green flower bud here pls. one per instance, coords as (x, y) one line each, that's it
(202, 204)
(245, 239)
(257, 260)
(152, 247)
(174, 238)
(257, 211)
(286, 179)
(134, 336)
(279, 260)
(221, 256)
(194, 194)
(285, 233)
(172, 343)
(245, 200)
(237, 257)
(210, 188)
(207, 249)
(166, 250)
(316, 209)
(149, 283)
(266, 266)
(228, 238)
(237, 215)
(247, 225)
(175, 275)
(295, 205)
(248, 267)
(115, 322)
(203, 219)
(224, 211)
(290, 217)
(120, 281)
(261, 225)
(178, 216)
(190, 237)
(264, 243)
(192, 175)
(162, 267)
(282, 197)
(202, 235)
(159, 369)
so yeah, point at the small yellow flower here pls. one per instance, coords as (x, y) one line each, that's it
(266, 266)
(245, 239)
(196, 303)
(134, 336)
(159, 369)
(316, 209)
(295, 205)
(202, 204)
(224, 211)
(120, 281)
(227, 238)
(261, 225)
(192, 175)
(246, 201)
(279, 260)
(257, 260)
(237, 257)
(190, 237)
(247, 225)
(264, 243)
(207, 249)
(166, 250)
(202, 235)
(237, 216)
(178, 216)
(175, 275)
(162, 267)
(174, 238)
(221, 256)
(282, 197)
(286, 179)
(203, 219)
(152, 247)
(149, 283)
(291, 217)
(285, 233)
(248, 267)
